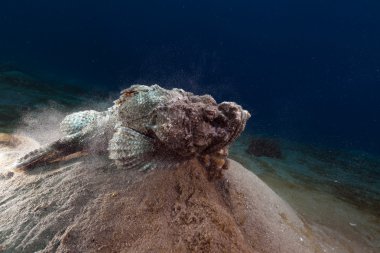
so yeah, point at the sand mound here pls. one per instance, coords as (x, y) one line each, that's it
(85, 206)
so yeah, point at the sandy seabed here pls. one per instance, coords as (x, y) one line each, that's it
(336, 192)
(84, 205)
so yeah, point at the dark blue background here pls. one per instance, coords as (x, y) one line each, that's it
(307, 70)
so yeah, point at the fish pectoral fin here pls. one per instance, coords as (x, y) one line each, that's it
(130, 149)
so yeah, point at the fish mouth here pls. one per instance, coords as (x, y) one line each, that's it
(244, 116)
(235, 113)
(248, 115)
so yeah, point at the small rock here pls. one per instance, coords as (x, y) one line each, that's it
(264, 147)
(9, 174)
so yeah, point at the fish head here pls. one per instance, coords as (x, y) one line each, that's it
(192, 125)
(179, 121)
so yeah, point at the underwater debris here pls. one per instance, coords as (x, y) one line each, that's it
(264, 147)
(150, 127)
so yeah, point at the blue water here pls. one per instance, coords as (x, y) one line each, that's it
(307, 70)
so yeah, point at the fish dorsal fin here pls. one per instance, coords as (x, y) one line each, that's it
(75, 122)
(130, 149)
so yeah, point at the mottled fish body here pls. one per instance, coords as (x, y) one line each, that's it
(148, 127)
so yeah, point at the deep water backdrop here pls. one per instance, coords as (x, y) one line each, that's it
(307, 70)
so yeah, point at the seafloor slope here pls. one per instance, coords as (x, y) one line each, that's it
(86, 206)
(22, 93)
(336, 191)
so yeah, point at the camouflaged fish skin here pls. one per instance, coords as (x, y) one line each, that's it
(146, 127)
